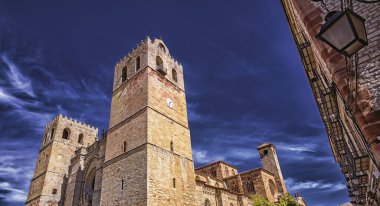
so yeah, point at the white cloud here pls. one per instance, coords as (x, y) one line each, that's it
(294, 186)
(243, 154)
(295, 148)
(202, 156)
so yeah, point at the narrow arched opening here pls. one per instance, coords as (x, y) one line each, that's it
(80, 139)
(137, 63)
(66, 134)
(124, 74)
(174, 75)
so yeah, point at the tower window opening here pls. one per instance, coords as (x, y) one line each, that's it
(213, 172)
(226, 170)
(124, 74)
(171, 146)
(162, 47)
(137, 63)
(174, 182)
(52, 134)
(207, 202)
(80, 139)
(66, 133)
(124, 146)
(174, 75)
(122, 184)
(159, 62)
(250, 186)
(160, 66)
(54, 192)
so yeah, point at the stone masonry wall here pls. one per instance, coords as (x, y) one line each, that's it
(129, 168)
(55, 156)
(167, 124)
(171, 178)
(271, 164)
(221, 169)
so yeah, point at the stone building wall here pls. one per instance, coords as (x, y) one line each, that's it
(270, 163)
(171, 179)
(55, 155)
(217, 169)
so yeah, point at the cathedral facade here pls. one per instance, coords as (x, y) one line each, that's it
(145, 157)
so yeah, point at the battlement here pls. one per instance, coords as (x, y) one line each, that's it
(60, 116)
(149, 43)
(80, 123)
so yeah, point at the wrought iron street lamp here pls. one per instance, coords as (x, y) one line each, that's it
(344, 31)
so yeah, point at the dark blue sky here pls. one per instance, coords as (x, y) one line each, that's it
(244, 81)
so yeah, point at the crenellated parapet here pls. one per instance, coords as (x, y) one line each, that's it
(152, 54)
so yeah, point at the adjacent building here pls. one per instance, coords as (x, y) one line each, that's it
(346, 91)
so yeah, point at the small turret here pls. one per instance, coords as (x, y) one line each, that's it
(270, 163)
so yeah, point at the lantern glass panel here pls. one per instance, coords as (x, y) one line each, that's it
(339, 33)
(353, 48)
(359, 27)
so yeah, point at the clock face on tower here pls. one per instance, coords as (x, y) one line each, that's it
(169, 102)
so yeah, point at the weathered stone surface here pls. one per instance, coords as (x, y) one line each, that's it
(54, 159)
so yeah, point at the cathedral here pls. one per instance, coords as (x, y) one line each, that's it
(145, 156)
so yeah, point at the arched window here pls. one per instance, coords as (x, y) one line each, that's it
(137, 63)
(52, 134)
(54, 191)
(207, 202)
(162, 47)
(80, 139)
(160, 66)
(250, 186)
(234, 187)
(213, 172)
(124, 74)
(66, 133)
(171, 146)
(173, 182)
(159, 62)
(124, 146)
(174, 75)
(226, 170)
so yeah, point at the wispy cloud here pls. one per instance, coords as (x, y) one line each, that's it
(8, 99)
(13, 194)
(295, 186)
(202, 156)
(16, 78)
(296, 148)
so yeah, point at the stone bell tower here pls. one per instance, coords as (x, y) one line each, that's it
(148, 158)
(270, 163)
(62, 137)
